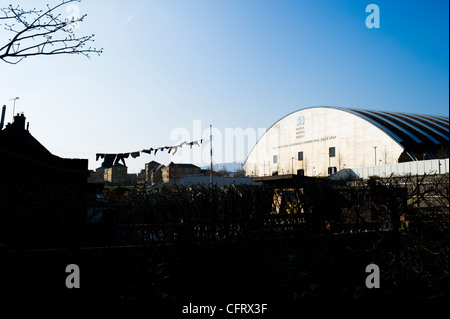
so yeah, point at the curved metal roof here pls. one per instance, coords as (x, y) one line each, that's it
(418, 133)
(415, 132)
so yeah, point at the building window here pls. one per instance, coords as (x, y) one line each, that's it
(301, 172)
(300, 156)
(275, 159)
(332, 170)
(332, 151)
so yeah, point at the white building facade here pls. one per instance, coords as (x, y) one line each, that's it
(319, 141)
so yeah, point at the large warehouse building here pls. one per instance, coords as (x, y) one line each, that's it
(319, 141)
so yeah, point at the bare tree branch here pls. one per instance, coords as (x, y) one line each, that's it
(42, 32)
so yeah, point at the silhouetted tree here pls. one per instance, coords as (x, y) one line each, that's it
(42, 32)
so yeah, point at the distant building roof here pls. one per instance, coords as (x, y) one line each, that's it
(183, 165)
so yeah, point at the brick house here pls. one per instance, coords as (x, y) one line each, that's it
(174, 171)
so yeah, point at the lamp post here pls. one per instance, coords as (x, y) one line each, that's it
(375, 155)
(211, 154)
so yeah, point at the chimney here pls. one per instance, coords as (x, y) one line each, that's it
(3, 117)
(28, 125)
(19, 121)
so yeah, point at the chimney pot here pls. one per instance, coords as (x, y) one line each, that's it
(19, 121)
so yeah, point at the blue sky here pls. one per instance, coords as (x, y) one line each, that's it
(168, 64)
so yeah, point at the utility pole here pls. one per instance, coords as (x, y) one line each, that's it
(210, 145)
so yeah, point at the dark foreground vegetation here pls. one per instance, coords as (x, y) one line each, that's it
(311, 240)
